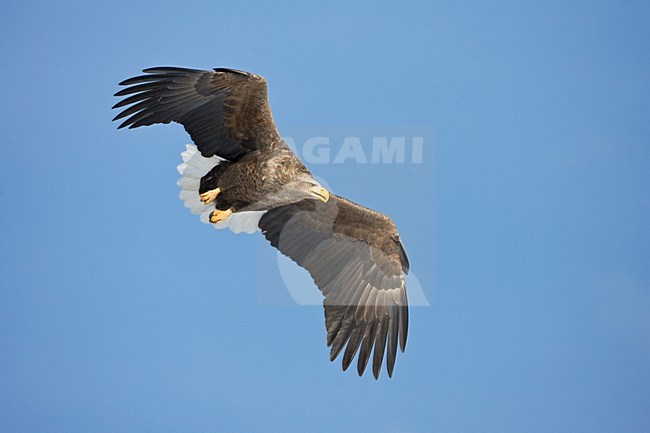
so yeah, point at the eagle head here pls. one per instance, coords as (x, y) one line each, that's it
(319, 193)
(307, 188)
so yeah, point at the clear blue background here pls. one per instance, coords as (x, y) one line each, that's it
(527, 224)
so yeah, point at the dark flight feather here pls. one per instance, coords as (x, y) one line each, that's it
(224, 110)
(355, 257)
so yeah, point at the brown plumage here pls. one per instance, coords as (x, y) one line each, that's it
(353, 254)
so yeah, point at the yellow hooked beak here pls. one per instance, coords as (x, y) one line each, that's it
(321, 193)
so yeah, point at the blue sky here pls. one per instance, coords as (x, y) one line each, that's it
(526, 223)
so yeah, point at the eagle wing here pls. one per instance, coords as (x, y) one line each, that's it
(357, 260)
(225, 111)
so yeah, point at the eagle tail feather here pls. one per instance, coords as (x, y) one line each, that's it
(192, 169)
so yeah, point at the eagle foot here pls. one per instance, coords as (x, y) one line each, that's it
(218, 216)
(210, 196)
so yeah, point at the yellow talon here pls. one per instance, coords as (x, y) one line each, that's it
(210, 196)
(218, 216)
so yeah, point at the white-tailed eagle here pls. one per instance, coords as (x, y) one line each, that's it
(246, 171)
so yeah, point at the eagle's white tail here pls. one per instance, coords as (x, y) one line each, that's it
(193, 168)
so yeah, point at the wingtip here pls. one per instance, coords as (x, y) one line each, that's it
(153, 69)
(403, 334)
(169, 70)
(361, 365)
(123, 124)
(233, 71)
(117, 117)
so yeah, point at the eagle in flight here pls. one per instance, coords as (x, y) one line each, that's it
(242, 175)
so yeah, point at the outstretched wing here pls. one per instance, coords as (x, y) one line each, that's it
(225, 111)
(356, 259)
